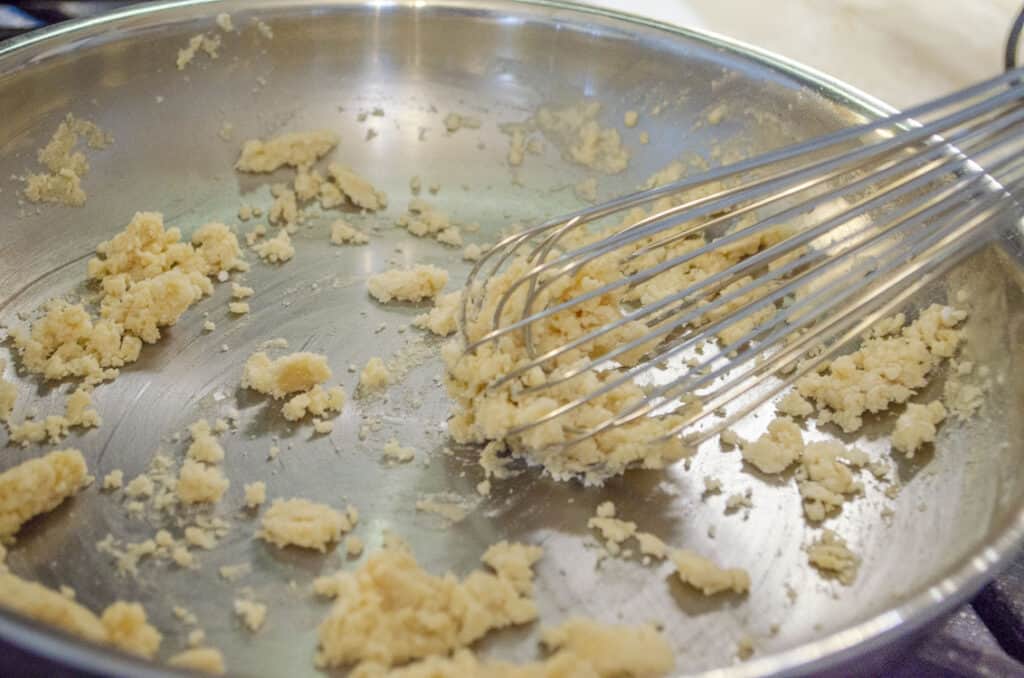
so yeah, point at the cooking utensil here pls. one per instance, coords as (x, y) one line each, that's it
(956, 518)
(883, 208)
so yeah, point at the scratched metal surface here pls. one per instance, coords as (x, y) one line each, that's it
(958, 513)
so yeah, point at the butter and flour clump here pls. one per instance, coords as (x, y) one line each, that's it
(391, 611)
(148, 277)
(484, 412)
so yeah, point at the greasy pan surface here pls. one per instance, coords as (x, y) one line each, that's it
(958, 515)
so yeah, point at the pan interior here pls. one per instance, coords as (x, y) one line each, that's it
(331, 66)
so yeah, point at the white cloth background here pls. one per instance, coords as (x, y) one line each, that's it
(901, 51)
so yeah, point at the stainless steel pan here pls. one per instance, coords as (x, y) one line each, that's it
(958, 517)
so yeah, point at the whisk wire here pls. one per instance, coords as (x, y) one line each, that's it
(930, 185)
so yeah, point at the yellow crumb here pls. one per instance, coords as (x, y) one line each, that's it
(374, 376)
(204, 446)
(353, 546)
(288, 374)
(295, 149)
(777, 449)
(393, 451)
(390, 610)
(887, 369)
(831, 554)
(317, 401)
(300, 522)
(252, 614)
(916, 426)
(199, 483)
(203, 659)
(255, 494)
(275, 250)
(442, 319)
(37, 486)
(707, 577)
(358, 190)
(128, 629)
(415, 284)
(113, 480)
(344, 234)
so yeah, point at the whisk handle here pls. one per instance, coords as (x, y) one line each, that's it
(1010, 57)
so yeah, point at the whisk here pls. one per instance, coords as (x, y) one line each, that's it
(872, 214)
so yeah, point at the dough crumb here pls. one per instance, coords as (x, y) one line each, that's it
(61, 183)
(50, 607)
(113, 480)
(241, 291)
(224, 22)
(442, 319)
(374, 376)
(344, 184)
(887, 369)
(452, 507)
(831, 555)
(204, 446)
(795, 405)
(414, 285)
(78, 413)
(207, 44)
(200, 538)
(777, 449)
(148, 279)
(265, 30)
(202, 659)
(585, 142)
(201, 484)
(651, 545)
(375, 623)
(294, 149)
(353, 546)
(38, 486)
(707, 577)
(317, 401)
(122, 625)
(140, 487)
(472, 252)
(128, 630)
(255, 494)
(234, 572)
(276, 250)
(916, 426)
(300, 522)
(323, 427)
(238, 307)
(394, 452)
(425, 221)
(252, 614)
(613, 530)
(344, 234)
(824, 480)
(291, 373)
(610, 650)
(453, 122)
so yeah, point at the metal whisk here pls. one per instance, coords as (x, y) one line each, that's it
(873, 214)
